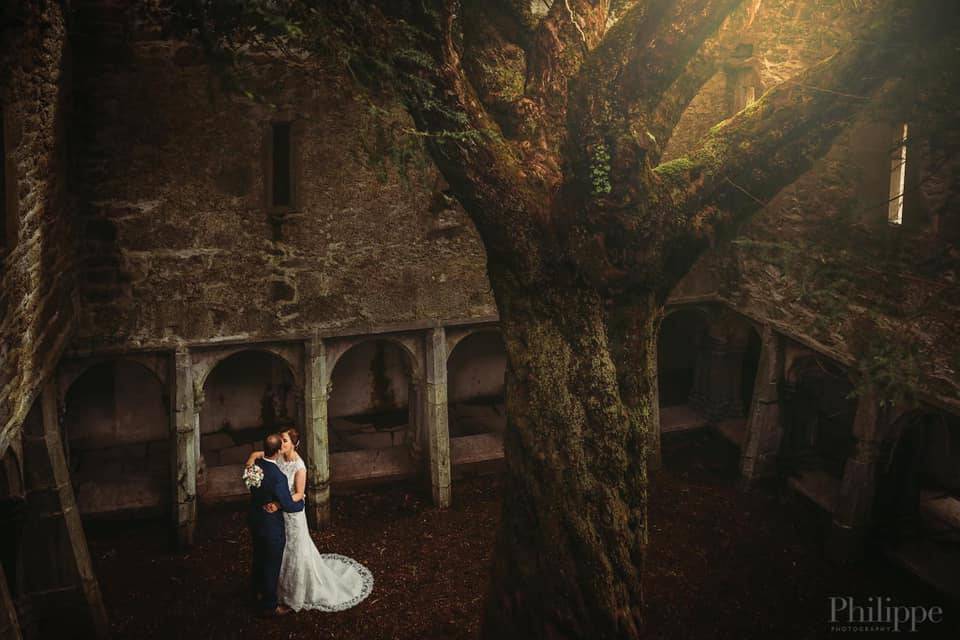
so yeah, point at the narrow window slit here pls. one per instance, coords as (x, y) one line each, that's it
(282, 195)
(898, 173)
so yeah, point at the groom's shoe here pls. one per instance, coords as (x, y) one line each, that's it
(276, 612)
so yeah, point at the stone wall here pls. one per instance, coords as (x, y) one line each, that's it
(37, 294)
(820, 262)
(180, 241)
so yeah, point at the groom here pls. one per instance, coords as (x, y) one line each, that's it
(266, 528)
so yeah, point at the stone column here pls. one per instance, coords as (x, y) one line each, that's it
(58, 579)
(415, 436)
(743, 78)
(435, 416)
(9, 626)
(853, 511)
(764, 431)
(315, 392)
(185, 451)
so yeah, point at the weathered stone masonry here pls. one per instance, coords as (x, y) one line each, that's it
(37, 296)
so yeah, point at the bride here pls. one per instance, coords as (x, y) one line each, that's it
(310, 579)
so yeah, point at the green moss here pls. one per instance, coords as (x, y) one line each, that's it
(717, 128)
(507, 80)
(675, 168)
(600, 170)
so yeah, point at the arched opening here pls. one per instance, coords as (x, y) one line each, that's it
(917, 507)
(13, 508)
(372, 415)
(818, 413)
(726, 374)
(706, 371)
(918, 493)
(475, 385)
(117, 432)
(683, 334)
(246, 396)
(476, 413)
(820, 409)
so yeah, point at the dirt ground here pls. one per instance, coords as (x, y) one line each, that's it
(722, 564)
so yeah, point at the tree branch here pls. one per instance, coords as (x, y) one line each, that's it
(483, 168)
(746, 160)
(558, 48)
(624, 80)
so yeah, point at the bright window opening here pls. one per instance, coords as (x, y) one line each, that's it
(898, 173)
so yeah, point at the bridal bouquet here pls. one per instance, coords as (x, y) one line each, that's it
(252, 476)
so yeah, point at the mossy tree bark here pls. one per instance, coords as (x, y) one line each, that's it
(549, 131)
(570, 547)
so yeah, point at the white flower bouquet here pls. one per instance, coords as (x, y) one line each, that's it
(252, 476)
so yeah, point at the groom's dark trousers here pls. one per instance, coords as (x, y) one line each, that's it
(266, 529)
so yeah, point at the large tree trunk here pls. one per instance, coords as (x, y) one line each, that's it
(570, 547)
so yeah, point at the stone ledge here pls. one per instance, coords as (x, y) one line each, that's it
(819, 486)
(483, 447)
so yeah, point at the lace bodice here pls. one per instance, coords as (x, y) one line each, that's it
(290, 469)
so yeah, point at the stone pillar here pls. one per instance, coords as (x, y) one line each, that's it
(764, 431)
(743, 78)
(415, 436)
(853, 511)
(315, 392)
(184, 451)
(58, 579)
(435, 416)
(9, 626)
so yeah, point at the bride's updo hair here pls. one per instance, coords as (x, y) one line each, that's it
(293, 435)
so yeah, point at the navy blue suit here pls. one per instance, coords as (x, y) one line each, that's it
(266, 529)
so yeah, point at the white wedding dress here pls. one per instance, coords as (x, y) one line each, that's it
(310, 579)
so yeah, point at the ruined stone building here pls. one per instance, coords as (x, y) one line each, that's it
(186, 267)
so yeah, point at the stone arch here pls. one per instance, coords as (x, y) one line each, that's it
(410, 345)
(373, 401)
(245, 393)
(918, 485)
(819, 411)
(71, 370)
(11, 475)
(704, 311)
(204, 362)
(476, 366)
(457, 335)
(683, 332)
(13, 507)
(116, 421)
